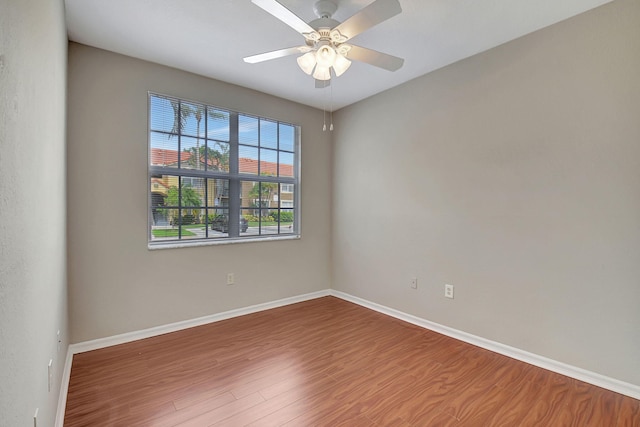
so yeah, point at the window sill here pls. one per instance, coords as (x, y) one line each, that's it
(171, 245)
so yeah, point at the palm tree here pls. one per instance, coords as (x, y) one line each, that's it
(181, 113)
(217, 157)
(188, 199)
(263, 192)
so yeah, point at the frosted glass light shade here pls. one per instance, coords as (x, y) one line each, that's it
(307, 62)
(322, 73)
(340, 65)
(325, 55)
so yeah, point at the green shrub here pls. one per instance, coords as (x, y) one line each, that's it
(188, 219)
(285, 216)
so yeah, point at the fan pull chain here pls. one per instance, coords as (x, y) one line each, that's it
(331, 108)
(324, 110)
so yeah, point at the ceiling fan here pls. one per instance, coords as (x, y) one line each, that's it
(325, 47)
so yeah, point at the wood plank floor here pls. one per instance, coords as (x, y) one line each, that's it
(325, 362)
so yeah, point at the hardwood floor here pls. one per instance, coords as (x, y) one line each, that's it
(325, 362)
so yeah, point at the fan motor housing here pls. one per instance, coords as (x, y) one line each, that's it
(324, 8)
(323, 23)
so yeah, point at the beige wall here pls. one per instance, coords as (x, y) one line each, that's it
(515, 176)
(33, 289)
(116, 284)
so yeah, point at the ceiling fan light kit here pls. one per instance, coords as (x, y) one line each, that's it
(325, 46)
(323, 59)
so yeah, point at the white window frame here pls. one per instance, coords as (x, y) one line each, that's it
(235, 178)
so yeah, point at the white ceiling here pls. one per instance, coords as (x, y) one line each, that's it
(210, 38)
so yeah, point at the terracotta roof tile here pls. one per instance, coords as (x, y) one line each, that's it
(162, 157)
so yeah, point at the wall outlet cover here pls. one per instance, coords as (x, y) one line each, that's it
(448, 291)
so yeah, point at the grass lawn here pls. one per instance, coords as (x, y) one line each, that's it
(171, 232)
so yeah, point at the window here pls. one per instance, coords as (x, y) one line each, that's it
(218, 175)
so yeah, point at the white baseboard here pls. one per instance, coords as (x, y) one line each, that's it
(596, 379)
(612, 384)
(160, 330)
(64, 389)
(178, 326)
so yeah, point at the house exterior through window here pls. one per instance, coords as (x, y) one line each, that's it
(219, 175)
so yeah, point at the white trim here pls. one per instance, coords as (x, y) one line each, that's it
(594, 378)
(169, 244)
(64, 389)
(160, 330)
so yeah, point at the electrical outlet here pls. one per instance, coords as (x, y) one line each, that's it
(448, 291)
(414, 283)
(230, 279)
(50, 373)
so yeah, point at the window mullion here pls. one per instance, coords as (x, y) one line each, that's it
(205, 181)
(234, 182)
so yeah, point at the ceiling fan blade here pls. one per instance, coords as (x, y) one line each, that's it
(373, 57)
(276, 54)
(321, 84)
(285, 15)
(375, 13)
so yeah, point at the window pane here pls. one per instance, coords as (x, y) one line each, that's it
(193, 192)
(287, 137)
(248, 160)
(164, 207)
(163, 150)
(167, 188)
(286, 188)
(287, 196)
(218, 125)
(159, 189)
(248, 194)
(269, 223)
(259, 195)
(286, 221)
(218, 193)
(219, 223)
(251, 222)
(192, 119)
(268, 162)
(192, 155)
(268, 134)
(258, 202)
(286, 164)
(248, 130)
(192, 196)
(217, 156)
(162, 116)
